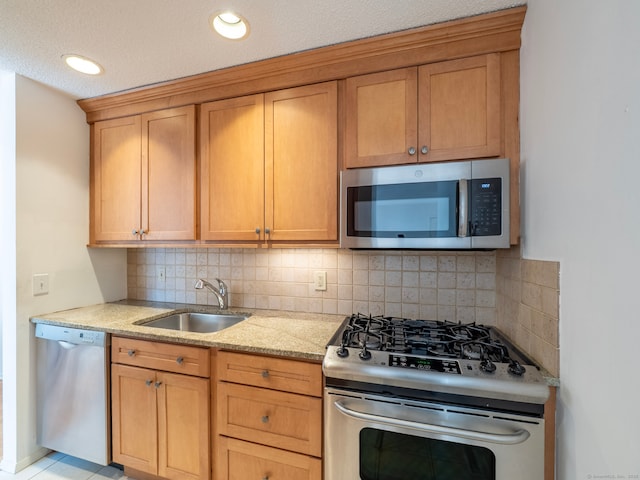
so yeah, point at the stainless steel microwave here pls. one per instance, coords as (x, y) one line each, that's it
(451, 205)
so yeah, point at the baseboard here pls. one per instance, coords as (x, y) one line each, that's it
(15, 467)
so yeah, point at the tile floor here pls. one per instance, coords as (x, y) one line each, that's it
(57, 466)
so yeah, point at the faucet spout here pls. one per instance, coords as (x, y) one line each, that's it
(221, 292)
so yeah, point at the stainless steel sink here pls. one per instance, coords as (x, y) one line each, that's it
(196, 322)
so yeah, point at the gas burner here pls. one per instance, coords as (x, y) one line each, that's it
(432, 338)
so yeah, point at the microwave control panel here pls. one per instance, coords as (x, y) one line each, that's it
(485, 212)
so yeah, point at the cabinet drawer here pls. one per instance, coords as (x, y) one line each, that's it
(161, 356)
(268, 372)
(242, 460)
(282, 420)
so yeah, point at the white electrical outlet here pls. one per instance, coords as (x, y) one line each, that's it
(320, 280)
(40, 284)
(161, 274)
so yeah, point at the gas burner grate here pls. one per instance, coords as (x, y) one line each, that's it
(433, 338)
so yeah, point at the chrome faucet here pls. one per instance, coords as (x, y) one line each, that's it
(221, 293)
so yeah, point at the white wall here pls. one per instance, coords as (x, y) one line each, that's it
(580, 127)
(51, 232)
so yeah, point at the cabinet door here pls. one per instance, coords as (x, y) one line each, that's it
(169, 174)
(232, 174)
(301, 163)
(381, 118)
(183, 427)
(116, 180)
(460, 108)
(134, 418)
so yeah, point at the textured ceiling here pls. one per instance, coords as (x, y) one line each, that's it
(141, 42)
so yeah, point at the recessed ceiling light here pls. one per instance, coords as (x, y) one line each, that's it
(229, 25)
(83, 64)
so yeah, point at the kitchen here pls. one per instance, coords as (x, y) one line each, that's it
(557, 122)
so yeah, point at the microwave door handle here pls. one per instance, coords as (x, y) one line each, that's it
(463, 208)
(512, 438)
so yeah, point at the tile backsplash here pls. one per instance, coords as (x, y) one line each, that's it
(528, 293)
(495, 288)
(455, 286)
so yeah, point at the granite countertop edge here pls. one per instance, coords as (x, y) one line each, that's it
(298, 335)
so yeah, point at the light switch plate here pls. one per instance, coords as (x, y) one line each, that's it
(320, 280)
(40, 284)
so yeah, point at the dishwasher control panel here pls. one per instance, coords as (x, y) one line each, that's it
(73, 336)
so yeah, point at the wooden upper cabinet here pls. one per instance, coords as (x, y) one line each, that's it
(269, 168)
(459, 109)
(441, 111)
(232, 169)
(116, 179)
(381, 118)
(301, 163)
(143, 181)
(169, 174)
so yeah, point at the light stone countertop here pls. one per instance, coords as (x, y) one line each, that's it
(270, 332)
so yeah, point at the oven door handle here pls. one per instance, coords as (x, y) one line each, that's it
(513, 438)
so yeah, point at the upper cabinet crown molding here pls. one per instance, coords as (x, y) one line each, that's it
(493, 32)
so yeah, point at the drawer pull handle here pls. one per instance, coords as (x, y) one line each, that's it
(131, 352)
(179, 360)
(148, 382)
(265, 374)
(265, 419)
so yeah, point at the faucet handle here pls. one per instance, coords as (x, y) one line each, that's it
(221, 286)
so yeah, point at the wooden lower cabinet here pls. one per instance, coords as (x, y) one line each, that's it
(268, 418)
(280, 419)
(160, 420)
(239, 460)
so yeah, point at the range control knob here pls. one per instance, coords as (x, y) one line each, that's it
(342, 351)
(487, 366)
(516, 369)
(365, 354)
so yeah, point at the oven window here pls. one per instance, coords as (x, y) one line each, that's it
(394, 456)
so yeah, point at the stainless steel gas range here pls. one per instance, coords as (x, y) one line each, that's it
(430, 400)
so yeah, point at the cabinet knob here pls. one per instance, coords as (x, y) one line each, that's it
(143, 232)
(180, 360)
(412, 150)
(258, 231)
(267, 231)
(148, 382)
(265, 478)
(134, 232)
(265, 374)
(265, 419)
(157, 384)
(131, 352)
(424, 150)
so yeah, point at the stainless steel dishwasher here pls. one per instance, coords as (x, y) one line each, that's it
(73, 414)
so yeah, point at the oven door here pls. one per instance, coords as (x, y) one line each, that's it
(370, 437)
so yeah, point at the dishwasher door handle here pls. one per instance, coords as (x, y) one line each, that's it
(518, 436)
(67, 345)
